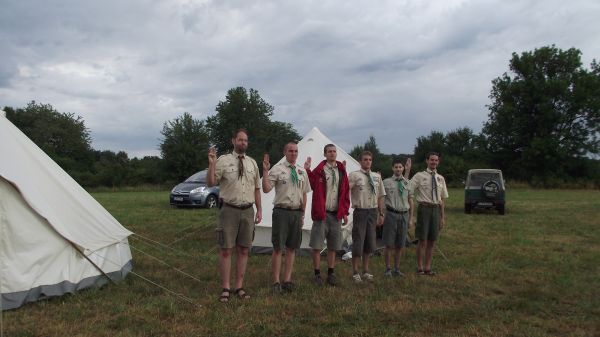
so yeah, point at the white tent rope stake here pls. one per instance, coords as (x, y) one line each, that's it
(166, 264)
(178, 295)
(162, 245)
(186, 235)
(172, 292)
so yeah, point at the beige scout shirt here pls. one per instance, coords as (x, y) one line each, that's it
(288, 194)
(393, 198)
(420, 187)
(234, 190)
(331, 201)
(361, 194)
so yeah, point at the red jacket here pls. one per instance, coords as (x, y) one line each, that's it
(318, 184)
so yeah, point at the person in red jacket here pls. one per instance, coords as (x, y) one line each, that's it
(330, 205)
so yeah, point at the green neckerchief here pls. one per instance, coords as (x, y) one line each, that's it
(332, 169)
(295, 179)
(371, 182)
(400, 185)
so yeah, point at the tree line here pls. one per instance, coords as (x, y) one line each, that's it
(543, 128)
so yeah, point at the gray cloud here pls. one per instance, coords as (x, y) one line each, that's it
(395, 70)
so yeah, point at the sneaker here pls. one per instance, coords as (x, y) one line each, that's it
(388, 273)
(397, 273)
(318, 281)
(287, 287)
(276, 288)
(367, 277)
(332, 280)
(356, 278)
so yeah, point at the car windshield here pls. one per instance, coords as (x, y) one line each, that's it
(198, 177)
(477, 179)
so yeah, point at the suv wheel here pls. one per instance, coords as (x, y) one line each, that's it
(211, 201)
(501, 209)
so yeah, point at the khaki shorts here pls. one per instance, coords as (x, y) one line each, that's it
(363, 231)
(428, 223)
(330, 229)
(286, 229)
(395, 229)
(236, 227)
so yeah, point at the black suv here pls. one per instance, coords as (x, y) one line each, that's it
(484, 188)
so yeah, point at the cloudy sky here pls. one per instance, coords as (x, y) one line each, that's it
(393, 69)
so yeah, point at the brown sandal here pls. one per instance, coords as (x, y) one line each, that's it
(241, 294)
(224, 298)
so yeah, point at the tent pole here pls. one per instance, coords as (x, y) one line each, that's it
(92, 262)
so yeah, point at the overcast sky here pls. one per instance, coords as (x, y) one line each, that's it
(393, 69)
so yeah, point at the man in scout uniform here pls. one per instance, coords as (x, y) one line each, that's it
(291, 185)
(367, 195)
(239, 181)
(396, 216)
(330, 205)
(429, 189)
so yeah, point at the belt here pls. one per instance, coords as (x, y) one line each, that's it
(289, 209)
(394, 211)
(428, 205)
(365, 209)
(332, 212)
(239, 207)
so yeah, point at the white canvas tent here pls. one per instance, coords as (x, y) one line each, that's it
(310, 146)
(54, 237)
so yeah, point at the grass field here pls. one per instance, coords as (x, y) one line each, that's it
(533, 272)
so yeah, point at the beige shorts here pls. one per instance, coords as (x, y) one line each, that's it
(329, 229)
(236, 227)
(363, 231)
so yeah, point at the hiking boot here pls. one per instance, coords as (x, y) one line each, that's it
(388, 273)
(356, 278)
(332, 280)
(367, 277)
(318, 281)
(276, 288)
(397, 273)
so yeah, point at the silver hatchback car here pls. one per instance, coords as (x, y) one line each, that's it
(193, 192)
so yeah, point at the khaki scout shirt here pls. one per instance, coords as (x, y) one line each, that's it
(288, 194)
(234, 190)
(420, 187)
(393, 198)
(360, 190)
(331, 195)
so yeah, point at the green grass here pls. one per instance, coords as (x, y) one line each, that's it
(533, 272)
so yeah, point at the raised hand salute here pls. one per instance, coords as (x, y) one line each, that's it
(307, 164)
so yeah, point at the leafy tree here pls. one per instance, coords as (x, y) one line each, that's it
(184, 147)
(111, 169)
(381, 162)
(460, 150)
(62, 136)
(147, 170)
(246, 109)
(436, 141)
(544, 116)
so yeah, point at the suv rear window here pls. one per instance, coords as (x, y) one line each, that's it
(477, 179)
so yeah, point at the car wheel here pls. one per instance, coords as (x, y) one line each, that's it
(468, 208)
(501, 209)
(211, 201)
